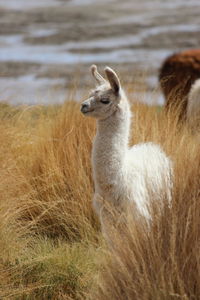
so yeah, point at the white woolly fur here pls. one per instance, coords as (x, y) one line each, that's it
(193, 106)
(122, 175)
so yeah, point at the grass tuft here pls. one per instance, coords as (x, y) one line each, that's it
(50, 241)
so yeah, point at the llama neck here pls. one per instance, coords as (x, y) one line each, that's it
(110, 146)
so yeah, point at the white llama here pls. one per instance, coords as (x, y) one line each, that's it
(122, 175)
(193, 106)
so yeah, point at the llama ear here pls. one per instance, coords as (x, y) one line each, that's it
(100, 80)
(113, 80)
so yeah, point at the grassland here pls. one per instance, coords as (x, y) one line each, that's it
(50, 241)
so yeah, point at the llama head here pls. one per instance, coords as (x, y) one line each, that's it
(104, 100)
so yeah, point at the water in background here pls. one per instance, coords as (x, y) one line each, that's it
(45, 44)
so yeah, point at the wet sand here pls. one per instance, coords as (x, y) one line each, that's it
(44, 44)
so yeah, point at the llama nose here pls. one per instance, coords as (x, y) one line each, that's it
(84, 107)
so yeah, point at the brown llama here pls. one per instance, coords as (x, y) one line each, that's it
(177, 74)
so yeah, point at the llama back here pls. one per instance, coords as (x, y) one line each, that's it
(150, 172)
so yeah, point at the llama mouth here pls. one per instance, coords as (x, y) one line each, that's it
(87, 111)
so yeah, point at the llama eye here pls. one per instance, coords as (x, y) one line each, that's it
(105, 101)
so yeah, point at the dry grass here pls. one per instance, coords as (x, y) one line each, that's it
(163, 262)
(50, 243)
(48, 232)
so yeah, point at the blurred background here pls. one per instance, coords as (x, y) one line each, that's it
(47, 46)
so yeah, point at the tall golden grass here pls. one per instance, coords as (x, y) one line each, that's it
(50, 241)
(163, 261)
(48, 232)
